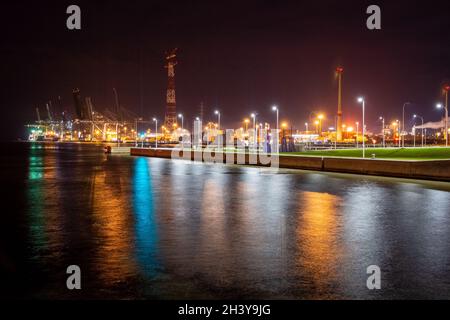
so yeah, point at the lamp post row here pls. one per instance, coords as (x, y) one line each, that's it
(361, 100)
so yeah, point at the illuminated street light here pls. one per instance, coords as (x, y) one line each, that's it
(219, 138)
(197, 133)
(218, 115)
(317, 125)
(320, 117)
(382, 131)
(182, 119)
(182, 129)
(156, 132)
(306, 127)
(440, 106)
(403, 124)
(246, 121)
(416, 116)
(275, 108)
(253, 115)
(361, 100)
(357, 134)
(262, 133)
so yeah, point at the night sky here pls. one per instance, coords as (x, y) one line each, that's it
(238, 56)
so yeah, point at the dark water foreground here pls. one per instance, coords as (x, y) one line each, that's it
(155, 228)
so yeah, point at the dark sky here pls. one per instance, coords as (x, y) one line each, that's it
(241, 56)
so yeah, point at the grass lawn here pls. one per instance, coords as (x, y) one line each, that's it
(433, 153)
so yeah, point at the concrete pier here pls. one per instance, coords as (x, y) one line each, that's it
(428, 170)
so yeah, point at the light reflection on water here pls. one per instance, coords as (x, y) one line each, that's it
(155, 228)
(146, 231)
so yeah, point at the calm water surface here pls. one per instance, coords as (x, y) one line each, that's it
(155, 228)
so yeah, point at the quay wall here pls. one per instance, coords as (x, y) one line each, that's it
(428, 170)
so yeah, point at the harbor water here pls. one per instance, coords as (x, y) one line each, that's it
(147, 228)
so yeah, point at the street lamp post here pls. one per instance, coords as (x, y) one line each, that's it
(182, 121)
(357, 133)
(361, 100)
(275, 108)
(260, 135)
(246, 121)
(182, 129)
(446, 89)
(416, 116)
(336, 131)
(197, 133)
(382, 132)
(307, 132)
(403, 124)
(135, 127)
(156, 132)
(219, 140)
(218, 120)
(320, 117)
(253, 115)
(440, 106)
